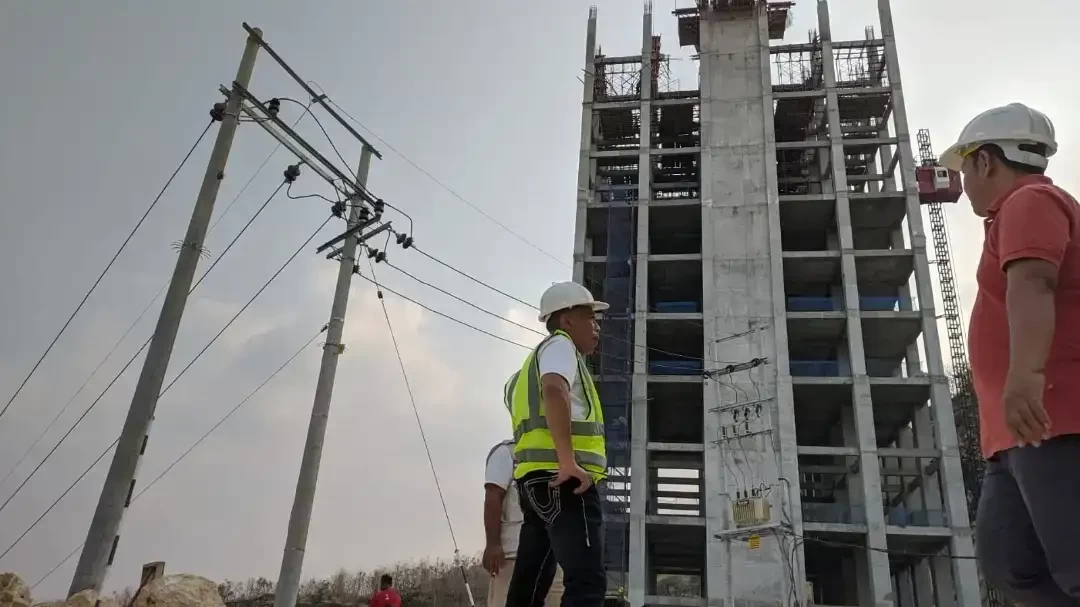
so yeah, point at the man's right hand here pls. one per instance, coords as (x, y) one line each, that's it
(493, 558)
(572, 470)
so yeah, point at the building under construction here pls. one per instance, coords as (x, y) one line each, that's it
(779, 420)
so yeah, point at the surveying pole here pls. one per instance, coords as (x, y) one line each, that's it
(292, 561)
(103, 536)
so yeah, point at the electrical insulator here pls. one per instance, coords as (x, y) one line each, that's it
(338, 209)
(292, 172)
(377, 255)
(273, 107)
(379, 206)
(218, 112)
(404, 240)
(363, 215)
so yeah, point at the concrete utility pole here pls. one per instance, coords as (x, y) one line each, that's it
(103, 536)
(292, 561)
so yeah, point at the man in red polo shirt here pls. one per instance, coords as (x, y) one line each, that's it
(1025, 357)
(386, 595)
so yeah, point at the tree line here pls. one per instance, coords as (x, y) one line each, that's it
(421, 584)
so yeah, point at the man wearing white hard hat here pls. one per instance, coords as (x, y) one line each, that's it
(559, 455)
(1025, 356)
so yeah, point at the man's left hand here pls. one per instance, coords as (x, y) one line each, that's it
(1024, 412)
(493, 558)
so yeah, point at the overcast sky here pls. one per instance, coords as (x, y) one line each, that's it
(101, 100)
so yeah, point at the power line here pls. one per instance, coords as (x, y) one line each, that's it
(178, 459)
(307, 108)
(728, 369)
(229, 414)
(179, 375)
(841, 544)
(131, 327)
(93, 373)
(420, 426)
(724, 363)
(250, 301)
(108, 266)
(444, 315)
(448, 188)
(129, 362)
(465, 301)
(229, 206)
(473, 278)
(238, 235)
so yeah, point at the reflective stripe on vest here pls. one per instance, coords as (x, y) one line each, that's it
(508, 394)
(577, 428)
(549, 455)
(535, 449)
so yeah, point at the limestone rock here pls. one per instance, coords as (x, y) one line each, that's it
(180, 590)
(14, 592)
(86, 598)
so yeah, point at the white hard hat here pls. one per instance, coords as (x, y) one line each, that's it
(1009, 127)
(565, 295)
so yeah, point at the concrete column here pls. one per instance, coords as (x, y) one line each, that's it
(640, 488)
(784, 438)
(719, 486)
(877, 561)
(855, 493)
(946, 592)
(913, 501)
(586, 165)
(906, 587)
(914, 365)
(739, 288)
(966, 577)
(923, 579)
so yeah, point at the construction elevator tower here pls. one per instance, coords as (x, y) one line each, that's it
(780, 426)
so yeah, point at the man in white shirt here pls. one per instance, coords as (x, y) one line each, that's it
(502, 524)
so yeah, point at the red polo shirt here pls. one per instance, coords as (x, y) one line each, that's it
(1035, 220)
(385, 598)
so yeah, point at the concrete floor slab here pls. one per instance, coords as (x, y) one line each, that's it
(810, 270)
(887, 335)
(676, 548)
(819, 406)
(891, 267)
(675, 413)
(885, 210)
(807, 221)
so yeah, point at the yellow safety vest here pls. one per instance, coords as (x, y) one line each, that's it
(534, 448)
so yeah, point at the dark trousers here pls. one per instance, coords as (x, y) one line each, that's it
(559, 527)
(1028, 525)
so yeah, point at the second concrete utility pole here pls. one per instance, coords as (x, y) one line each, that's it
(292, 561)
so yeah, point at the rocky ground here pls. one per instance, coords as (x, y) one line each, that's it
(180, 590)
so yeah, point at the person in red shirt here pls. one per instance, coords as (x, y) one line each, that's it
(386, 595)
(1025, 357)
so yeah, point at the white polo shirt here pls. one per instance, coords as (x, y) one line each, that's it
(500, 472)
(559, 356)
